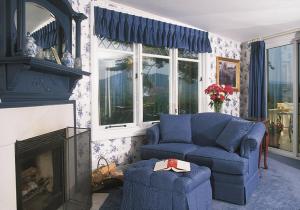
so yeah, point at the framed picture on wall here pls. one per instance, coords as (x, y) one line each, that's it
(228, 72)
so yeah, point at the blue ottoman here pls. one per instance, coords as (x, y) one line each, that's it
(145, 189)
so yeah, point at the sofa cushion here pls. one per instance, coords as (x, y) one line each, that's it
(207, 126)
(219, 160)
(175, 128)
(167, 150)
(232, 135)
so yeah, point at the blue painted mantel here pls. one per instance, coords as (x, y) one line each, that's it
(31, 79)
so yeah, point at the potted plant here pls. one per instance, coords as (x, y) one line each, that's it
(218, 94)
(275, 131)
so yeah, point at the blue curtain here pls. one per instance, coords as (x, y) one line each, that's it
(257, 95)
(130, 28)
(46, 36)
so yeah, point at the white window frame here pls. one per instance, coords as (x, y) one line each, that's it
(141, 55)
(200, 79)
(133, 86)
(138, 127)
(103, 131)
(204, 66)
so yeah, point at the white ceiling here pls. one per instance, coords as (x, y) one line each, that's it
(240, 20)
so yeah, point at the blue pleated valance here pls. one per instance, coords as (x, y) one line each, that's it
(130, 28)
(46, 36)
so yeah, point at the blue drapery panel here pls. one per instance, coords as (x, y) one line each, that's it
(123, 27)
(257, 95)
(46, 36)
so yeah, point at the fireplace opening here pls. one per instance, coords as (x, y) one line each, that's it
(53, 171)
(41, 181)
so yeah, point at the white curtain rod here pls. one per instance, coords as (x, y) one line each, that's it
(274, 35)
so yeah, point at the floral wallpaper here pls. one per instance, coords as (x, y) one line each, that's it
(81, 92)
(229, 49)
(245, 61)
(121, 151)
(126, 150)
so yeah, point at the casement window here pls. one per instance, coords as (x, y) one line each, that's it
(188, 75)
(155, 82)
(132, 84)
(115, 62)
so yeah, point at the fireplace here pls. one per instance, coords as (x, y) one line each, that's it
(53, 171)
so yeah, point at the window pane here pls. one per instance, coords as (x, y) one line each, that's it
(280, 96)
(187, 87)
(187, 54)
(155, 87)
(116, 88)
(156, 50)
(114, 45)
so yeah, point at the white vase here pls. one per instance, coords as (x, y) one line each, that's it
(30, 46)
(67, 59)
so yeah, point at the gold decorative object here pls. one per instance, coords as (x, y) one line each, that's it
(54, 52)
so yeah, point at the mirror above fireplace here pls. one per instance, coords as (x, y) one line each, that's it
(45, 31)
(36, 17)
(36, 35)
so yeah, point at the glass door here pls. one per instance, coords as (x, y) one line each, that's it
(298, 121)
(280, 67)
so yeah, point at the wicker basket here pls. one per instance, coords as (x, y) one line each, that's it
(104, 177)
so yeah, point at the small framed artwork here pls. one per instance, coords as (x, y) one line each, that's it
(54, 52)
(228, 72)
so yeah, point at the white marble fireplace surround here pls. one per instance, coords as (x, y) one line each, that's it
(21, 123)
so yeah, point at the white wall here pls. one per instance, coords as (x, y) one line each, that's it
(19, 124)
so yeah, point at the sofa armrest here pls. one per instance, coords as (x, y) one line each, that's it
(152, 134)
(252, 140)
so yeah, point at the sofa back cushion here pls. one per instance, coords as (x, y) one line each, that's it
(206, 127)
(232, 135)
(175, 128)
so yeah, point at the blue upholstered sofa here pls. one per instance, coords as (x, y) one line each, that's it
(234, 169)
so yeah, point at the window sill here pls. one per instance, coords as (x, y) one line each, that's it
(101, 134)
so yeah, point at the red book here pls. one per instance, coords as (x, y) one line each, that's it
(173, 164)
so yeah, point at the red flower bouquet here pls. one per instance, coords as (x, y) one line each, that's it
(218, 94)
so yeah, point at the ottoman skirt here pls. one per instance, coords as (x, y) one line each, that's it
(166, 190)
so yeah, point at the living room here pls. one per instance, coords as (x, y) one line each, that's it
(95, 94)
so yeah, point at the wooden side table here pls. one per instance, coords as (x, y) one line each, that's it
(264, 146)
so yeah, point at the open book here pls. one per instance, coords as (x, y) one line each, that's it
(173, 164)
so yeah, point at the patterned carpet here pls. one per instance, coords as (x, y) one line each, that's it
(279, 189)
